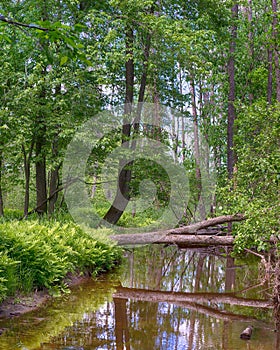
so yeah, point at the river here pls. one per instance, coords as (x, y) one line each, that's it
(161, 298)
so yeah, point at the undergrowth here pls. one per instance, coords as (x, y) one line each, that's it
(38, 255)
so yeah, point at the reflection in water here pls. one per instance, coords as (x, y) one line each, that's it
(168, 299)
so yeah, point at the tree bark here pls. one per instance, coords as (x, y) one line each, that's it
(175, 297)
(231, 95)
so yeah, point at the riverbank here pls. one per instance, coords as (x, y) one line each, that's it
(20, 304)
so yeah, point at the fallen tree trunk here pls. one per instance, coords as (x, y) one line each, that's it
(182, 236)
(177, 297)
(193, 228)
(180, 240)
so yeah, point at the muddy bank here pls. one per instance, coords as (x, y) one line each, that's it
(21, 303)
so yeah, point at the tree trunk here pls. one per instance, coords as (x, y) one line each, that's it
(231, 95)
(182, 236)
(40, 139)
(201, 207)
(41, 178)
(270, 75)
(251, 47)
(53, 194)
(123, 192)
(122, 196)
(1, 193)
(183, 141)
(276, 47)
(54, 178)
(27, 161)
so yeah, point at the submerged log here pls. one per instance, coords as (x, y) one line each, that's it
(185, 236)
(247, 333)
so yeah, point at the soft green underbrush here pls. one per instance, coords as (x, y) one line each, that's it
(255, 188)
(37, 255)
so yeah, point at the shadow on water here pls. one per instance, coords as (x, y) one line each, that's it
(162, 298)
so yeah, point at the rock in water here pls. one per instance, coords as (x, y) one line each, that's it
(247, 333)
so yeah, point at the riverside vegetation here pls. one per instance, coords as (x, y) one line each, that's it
(62, 62)
(37, 255)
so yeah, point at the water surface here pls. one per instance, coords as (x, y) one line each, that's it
(161, 298)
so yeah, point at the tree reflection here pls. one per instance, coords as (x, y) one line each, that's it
(169, 299)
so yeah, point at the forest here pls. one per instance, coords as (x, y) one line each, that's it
(206, 71)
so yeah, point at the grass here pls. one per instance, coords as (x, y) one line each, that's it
(40, 254)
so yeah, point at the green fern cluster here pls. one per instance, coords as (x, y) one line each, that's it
(40, 255)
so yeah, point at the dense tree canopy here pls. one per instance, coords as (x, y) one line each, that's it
(215, 62)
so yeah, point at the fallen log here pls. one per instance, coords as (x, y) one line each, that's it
(178, 297)
(180, 240)
(186, 236)
(193, 228)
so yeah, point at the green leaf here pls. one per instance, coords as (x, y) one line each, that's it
(63, 60)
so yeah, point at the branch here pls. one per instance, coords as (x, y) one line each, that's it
(20, 24)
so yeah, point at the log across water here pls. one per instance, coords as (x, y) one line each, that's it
(180, 240)
(186, 236)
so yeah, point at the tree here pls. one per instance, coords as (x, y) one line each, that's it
(274, 4)
(123, 191)
(46, 91)
(231, 95)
